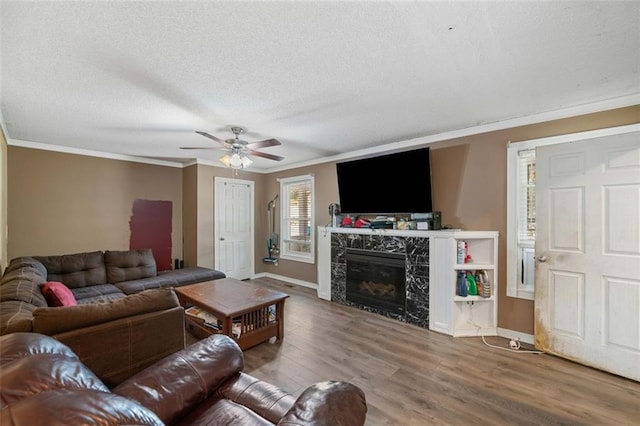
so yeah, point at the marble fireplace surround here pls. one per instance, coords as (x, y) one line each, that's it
(416, 251)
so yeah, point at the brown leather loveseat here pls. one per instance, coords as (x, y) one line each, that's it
(43, 382)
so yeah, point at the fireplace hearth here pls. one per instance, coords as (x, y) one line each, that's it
(376, 279)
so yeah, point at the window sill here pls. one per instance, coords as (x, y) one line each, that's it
(303, 259)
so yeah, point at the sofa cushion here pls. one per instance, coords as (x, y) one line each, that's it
(76, 270)
(97, 294)
(58, 294)
(129, 265)
(192, 275)
(175, 278)
(20, 262)
(22, 284)
(136, 286)
(51, 321)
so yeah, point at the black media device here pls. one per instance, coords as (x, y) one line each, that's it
(398, 183)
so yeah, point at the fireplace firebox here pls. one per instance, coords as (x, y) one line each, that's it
(376, 279)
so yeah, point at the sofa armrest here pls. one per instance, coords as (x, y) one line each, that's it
(265, 399)
(180, 382)
(328, 403)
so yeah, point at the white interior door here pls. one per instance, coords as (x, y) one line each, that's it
(587, 292)
(234, 227)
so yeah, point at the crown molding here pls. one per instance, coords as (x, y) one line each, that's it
(90, 153)
(601, 106)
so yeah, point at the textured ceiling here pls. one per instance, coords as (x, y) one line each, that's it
(325, 78)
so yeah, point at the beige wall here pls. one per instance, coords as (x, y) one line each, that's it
(205, 193)
(190, 215)
(63, 203)
(3, 202)
(326, 191)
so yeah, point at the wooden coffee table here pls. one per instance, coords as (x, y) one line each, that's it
(238, 305)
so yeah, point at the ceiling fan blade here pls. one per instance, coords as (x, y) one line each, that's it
(213, 138)
(263, 144)
(265, 155)
(204, 147)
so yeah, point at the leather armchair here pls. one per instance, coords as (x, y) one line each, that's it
(43, 382)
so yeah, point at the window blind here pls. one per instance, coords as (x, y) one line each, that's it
(527, 194)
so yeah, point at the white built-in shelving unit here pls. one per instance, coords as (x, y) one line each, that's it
(462, 315)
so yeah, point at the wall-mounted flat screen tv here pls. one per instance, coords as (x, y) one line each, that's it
(398, 183)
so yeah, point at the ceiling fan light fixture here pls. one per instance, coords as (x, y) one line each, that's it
(236, 161)
(226, 160)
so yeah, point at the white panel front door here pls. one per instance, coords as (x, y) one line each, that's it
(587, 292)
(234, 227)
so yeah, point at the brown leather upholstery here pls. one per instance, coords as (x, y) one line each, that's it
(42, 382)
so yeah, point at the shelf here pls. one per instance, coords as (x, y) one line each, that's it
(472, 299)
(472, 266)
(457, 315)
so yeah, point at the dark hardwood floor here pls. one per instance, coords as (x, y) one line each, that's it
(413, 376)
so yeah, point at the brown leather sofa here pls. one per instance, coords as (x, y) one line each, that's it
(42, 382)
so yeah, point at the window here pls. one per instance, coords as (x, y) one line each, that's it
(521, 221)
(297, 221)
(527, 194)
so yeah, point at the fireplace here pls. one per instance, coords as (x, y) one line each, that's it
(376, 279)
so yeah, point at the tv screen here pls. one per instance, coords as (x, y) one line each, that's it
(390, 184)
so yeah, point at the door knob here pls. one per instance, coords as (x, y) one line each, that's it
(541, 259)
(221, 238)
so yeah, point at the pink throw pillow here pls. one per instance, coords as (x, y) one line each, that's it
(58, 294)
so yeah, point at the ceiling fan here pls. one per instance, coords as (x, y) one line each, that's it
(239, 149)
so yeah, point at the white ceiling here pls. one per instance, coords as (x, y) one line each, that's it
(328, 79)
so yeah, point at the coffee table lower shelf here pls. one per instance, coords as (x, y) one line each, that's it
(246, 340)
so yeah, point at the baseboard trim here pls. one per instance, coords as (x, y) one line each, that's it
(287, 279)
(511, 334)
(502, 332)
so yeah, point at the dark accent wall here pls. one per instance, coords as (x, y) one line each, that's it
(151, 228)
